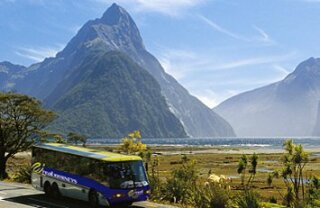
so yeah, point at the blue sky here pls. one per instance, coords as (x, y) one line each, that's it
(215, 48)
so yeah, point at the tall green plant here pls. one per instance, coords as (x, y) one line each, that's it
(154, 178)
(243, 166)
(294, 161)
(179, 186)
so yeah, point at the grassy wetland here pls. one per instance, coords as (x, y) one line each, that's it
(207, 161)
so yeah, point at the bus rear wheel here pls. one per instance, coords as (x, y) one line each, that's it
(55, 192)
(47, 188)
(93, 199)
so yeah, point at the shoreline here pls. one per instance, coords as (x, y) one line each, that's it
(205, 149)
(167, 150)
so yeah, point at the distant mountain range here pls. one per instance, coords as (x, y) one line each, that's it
(104, 83)
(8, 73)
(316, 129)
(285, 108)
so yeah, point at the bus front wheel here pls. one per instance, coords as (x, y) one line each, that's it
(93, 198)
(47, 188)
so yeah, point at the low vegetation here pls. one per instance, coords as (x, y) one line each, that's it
(220, 180)
(187, 186)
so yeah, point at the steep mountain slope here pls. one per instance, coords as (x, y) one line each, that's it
(285, 108)
(111, 95)
(9, 72)
(316, 129)
(116, 31)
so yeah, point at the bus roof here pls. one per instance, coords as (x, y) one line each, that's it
(86, 152)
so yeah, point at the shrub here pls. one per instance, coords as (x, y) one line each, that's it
(210, 196)
(273, 200)
(178, 187)
(23, 175)
(248, 200)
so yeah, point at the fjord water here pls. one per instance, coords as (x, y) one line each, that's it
(272, 143)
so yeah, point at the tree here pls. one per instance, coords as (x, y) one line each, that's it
(242, 168)
(74, 138)
(253, 169)
(132, 144)
(22, 120)
(58, 138)
(294, 161)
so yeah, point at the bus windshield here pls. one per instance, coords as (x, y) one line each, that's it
(125, 175)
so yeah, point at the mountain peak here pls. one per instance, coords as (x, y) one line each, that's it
(116, 30)
(310, 66)
(115, 14)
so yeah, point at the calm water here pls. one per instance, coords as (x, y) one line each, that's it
(227, 142)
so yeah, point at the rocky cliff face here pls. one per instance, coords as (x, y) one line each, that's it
(285, 108)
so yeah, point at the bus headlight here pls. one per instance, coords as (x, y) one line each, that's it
(118, 195)
(148, 191)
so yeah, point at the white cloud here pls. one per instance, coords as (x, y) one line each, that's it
(38, 53)
(182, 63)
(41, 3)
(27, 1)
(262, 37)
(208, 97)
(205, 77)
(254, 61)
(211, 98)
(167, 7)
(220, 29)
(178, 62)
(281, 69)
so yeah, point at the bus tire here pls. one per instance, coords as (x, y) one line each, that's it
(55, 192)
(47, 188)
(93, 198)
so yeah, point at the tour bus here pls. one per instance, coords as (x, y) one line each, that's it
(99, 177)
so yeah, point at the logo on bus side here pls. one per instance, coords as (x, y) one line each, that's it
(135, 194)
(37, 168)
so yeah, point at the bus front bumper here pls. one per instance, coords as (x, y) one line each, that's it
(129, 196)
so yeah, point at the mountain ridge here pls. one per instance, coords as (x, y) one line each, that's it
(284, 108)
